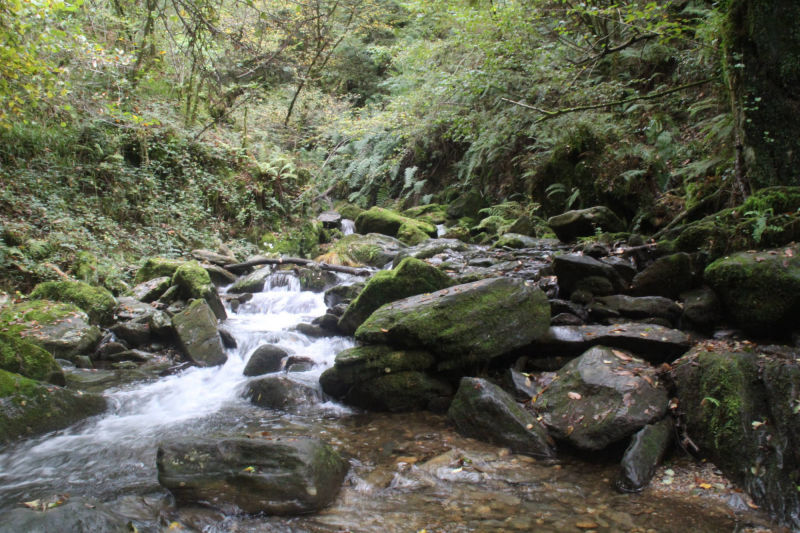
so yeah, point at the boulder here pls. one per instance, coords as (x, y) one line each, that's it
(77, 515)
(373, 249)
(401, 391)
(29, 360)
(219, 276)
(151, 290)
(156, 267)
(288, 476)
(265, 359)
(313, 278)
(585, 223)
(484, 411)
(133, 332)
(410, 277)
(215, 258)
(624, 267)
(29, 408)
(464, 324)
(760, 291)
(196, 327)
(701, 308)
(602, 397)
(393, 224)
(193, 281)
(282, 392)
(60, 328)
(97, 302)
(667, 276)
(642, 307)
(330, 219)
(515, 240)
(643, 455)
(654, 343)
(253, 282)
(430, 213)
(572, 269)
(343, 294)
(466, 205)
(740, 409)
(430, 248)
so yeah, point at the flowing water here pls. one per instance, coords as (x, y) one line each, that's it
(409, 472)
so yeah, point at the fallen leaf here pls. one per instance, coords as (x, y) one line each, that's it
(623, 355)
(384, 330)
(586, 525)
(705, 486)
(574, 395)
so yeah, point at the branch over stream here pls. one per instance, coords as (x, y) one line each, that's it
(237, 268)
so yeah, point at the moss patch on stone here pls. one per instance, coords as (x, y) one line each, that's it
(29, 360)
(98, 303)
(156, 267)
(392, 223)
(373, 249)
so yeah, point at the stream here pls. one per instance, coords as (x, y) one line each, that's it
(409, 472)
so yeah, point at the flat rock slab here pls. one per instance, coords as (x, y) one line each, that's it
(653, 343)
(600, 398)
(285, 476)
(463, 324)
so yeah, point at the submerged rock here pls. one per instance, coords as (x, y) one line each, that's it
(196, 327)
(643, 455)
(602, 397)
(287, 476)
(464, 324)
(484, 411)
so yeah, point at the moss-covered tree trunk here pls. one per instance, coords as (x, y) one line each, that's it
(762, 49)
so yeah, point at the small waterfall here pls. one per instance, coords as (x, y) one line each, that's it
(348, 226)
(441, 229)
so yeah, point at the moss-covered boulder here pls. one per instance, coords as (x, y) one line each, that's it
(253, 282)
(760, 291)
(466, 205)
(602, 397)
(60, 328)
(28, 407)
(667, 276)
(484, 411)
(193, 281)
(464, 324)
(410, 277)
(29, 360)
(585, 223)
(96, 301)
(157, 267)
(515, 240)
(348, 211)
(431, 213)
(282, 392)
(392, 223)
(373, 249)
(296, 475)
(741, 410)
(196, 327)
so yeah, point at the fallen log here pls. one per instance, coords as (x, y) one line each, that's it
(356, 271)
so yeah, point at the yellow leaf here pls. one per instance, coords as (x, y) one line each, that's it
(705, 486)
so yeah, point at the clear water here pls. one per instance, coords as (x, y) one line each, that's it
(408, 471)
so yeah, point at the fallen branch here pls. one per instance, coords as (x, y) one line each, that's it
(356, 271)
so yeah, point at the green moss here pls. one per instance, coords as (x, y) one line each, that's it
(25, 315)
(411, 234)
(27, 359)
(98, 303)
(13, 384)
(302, 241)
(156, 267)
(491, 225)
(348, 211)
(431, 213)
(388, 222)
(373, 250)
(85, 267)
(192, 279)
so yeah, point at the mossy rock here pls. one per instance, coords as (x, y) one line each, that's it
(585, 222)
(760, 291)
(668, 276)
(466, 205)
(410, 277)
(412, 234)
(193, 282)
(302, 241)
(515, 240)
(392, 223)
(491, 226)
(85, 267)
(373, 249)
(431, 213)
(196, 327)
(348, 211)
(156, 267)
(98, 303)
(29, 360)
(29, 408)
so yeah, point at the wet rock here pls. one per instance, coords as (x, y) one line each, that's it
(314, 279)
(563, 306)
(522, 384)
(486, 412)
(566, 319)
(654, 343)
(401, 391)
(29, 360)
(430, 248)
(219, 276)
(364, 363)
(136, 356)
(642, 307)
(514, 240)
(288, 476)
(77, 515)
(133, 332)
(571, 269)
(227, 338)
(196, 328)
(342, 294)
(29, 408)
(253, 282)
(373, 249)
(151, 290)
(760, 291)
(328, 322)
(282, 392)
(740, 409)
(267, 358)
(464, 324)
(215, 258)
(602, 397)
(330, 219)
(667, 276)
(584, 223)
(701, 308)
(194, 282)
(624, 267)
(643, 455)
(156, 267)
(310, 330)
(410, 277)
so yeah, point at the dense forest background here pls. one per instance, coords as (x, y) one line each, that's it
(138, 127)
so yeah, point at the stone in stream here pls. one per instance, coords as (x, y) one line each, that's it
(151, 290)
(430, 248)
(330, 219)
(410, 277)
(194, 282)
(373, 249)
(282, 392)
(572, 270)
(75, 515)
(265, 359)
(196, 328)
(600, 398)
(584, 223)
(464, 324)
(484, 411)
(287, 476)
(29, 408)
(343, 293)
(253, 282)
(643, 455)
(654, 343)
(667, 276)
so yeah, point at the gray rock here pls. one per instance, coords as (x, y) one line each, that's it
(342, 294)
(624, 267)
(667, 276)
(207, 256)
(584, 223)
(571, 269)
(133, 332)
(267, 358)
(643, 307)
(282, 392)
(196, 328)
(566, 319)
(136, 356)
(430, 248)
(253, 282)
(310, 330)
(486, 412)
(643, 455)
(150, 291)
(109, 348)
(219, 276)
(701, 308)
(600, 398)
(77, 515)
(330, 219)
(297, 475)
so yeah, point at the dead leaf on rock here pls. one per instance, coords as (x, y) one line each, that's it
(574, 395)
(623, 355)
